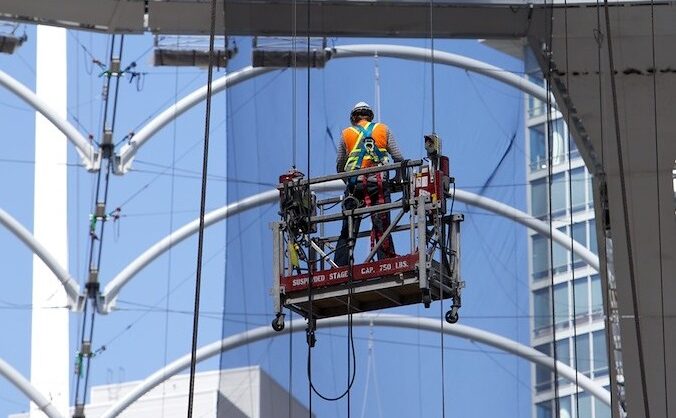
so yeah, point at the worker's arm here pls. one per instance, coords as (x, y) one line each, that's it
(341, 157)
(393, 148)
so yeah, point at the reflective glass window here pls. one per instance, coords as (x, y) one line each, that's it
(541, 308)
(601, 410)
(538, 198)
(579, 231)
(543, 409)
(578, 188)
(581, 298)
(585, 405)
(559, 140)
(538, 147)
(565, 407)
(543, 375)
(559, 191)
(582, 353)
(600, 354)
(593, 244)
(596, 294)
(560, 255)
(540, 256)
(561, 305)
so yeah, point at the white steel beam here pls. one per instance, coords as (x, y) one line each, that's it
(114, 286)
(396, 321)
(15, 378)
(84, 148)
(68, 282)
(128, 151)
(50, 351)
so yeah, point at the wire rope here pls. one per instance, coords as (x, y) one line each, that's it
(659, 201)
(200, 239)
(570, 221)
(548, 24)
(627, 229)
(171, 228)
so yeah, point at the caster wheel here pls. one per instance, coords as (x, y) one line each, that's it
(426, 299)
(452, 316)
(278, 323)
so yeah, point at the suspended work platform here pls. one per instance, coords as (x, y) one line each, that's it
(306, 278)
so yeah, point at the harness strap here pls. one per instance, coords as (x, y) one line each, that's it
(363, 150)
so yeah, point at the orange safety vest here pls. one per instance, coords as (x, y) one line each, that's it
(352, 136)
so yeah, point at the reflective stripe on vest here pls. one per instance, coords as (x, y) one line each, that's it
(364, 148)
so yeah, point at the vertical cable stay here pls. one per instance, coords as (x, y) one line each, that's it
(625, 212)
(376, 77)
(549, 23)
(659, 200)
(441, 269)
(570, 220)
(294, 70)
(171, 228)
(200, 239)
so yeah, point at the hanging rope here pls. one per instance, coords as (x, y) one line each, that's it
(549, 23)
(627, 229)
(570, 219)
(659, 200)
(203, 195)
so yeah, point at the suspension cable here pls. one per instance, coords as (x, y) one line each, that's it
(294, 70)
(659, 200)
(549, 23)
(570, 221)
(439, 224)
(96, 231)
(627, 229)
(203, 195)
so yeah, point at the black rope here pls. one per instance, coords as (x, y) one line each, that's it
(570, 220)
(203, 195)
(290, 398)
(431, 17)
(550, 159)
(659, 201)
(627, 229)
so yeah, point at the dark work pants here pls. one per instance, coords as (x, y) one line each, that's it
(363, 193)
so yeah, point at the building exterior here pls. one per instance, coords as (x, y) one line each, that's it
(246, 392)
(573, 328)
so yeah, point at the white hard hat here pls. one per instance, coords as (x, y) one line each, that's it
(361, 105)
(361, 108)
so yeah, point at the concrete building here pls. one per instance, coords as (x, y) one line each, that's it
(573, 330)
(246, 392)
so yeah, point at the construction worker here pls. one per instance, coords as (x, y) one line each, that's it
(366, 144)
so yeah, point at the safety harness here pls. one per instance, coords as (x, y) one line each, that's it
(365, 147)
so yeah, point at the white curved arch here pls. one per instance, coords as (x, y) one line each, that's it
(398, 321)
(69, 284)
(21, 383)
(128, 151)
(85, 149)
(114, 286)
(440, 57)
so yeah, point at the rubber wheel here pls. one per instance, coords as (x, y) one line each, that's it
(426, 300)
(278, 324)
(452, 317)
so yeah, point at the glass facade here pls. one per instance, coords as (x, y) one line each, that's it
(561, 283)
